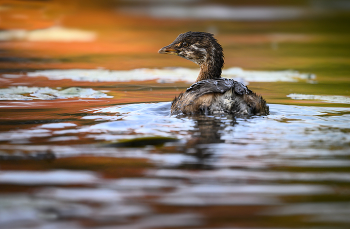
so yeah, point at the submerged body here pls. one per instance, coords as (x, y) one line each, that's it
(210, 93)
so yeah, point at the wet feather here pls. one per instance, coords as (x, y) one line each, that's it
(210, 93)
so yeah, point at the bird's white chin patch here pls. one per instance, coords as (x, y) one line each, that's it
(190, 55)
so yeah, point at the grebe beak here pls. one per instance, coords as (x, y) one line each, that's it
(168, 50)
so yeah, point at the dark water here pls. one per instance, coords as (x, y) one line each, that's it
(87, 139)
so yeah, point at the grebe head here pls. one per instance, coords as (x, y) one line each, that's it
(199, 47)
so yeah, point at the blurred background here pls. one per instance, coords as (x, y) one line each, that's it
(306, 35)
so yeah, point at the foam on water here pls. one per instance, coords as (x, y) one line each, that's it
(325, 98)
(167, 75)
(46, 93)
(51, 177)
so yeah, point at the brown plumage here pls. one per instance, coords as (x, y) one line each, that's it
(210, 93)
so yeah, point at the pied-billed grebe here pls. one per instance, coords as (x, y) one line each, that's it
(210, 93)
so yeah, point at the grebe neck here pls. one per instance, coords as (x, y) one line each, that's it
(212, 66)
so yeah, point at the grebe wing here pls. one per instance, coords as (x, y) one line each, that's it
(220, 85)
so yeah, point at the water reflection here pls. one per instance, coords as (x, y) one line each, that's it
(268, 164)
(209, 129)
(206, 130)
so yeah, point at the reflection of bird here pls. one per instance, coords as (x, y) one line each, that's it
(210, 93)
